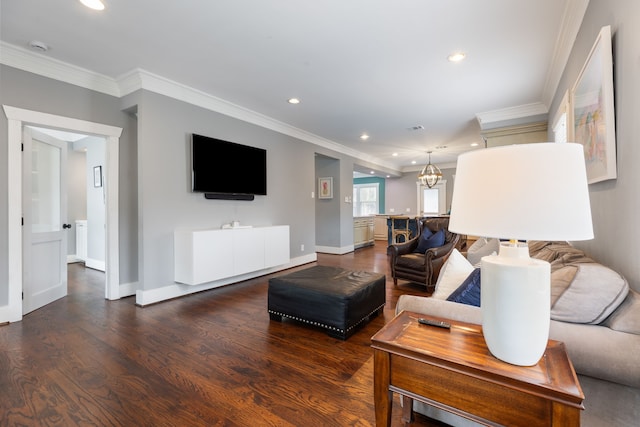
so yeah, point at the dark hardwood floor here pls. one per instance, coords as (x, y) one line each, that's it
(208, 359)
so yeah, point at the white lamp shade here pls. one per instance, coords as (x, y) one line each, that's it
(526, 191)
(523, 192)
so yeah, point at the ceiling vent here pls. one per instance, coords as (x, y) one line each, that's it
(38, 46)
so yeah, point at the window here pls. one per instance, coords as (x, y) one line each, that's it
(365, 199)
(432, 201)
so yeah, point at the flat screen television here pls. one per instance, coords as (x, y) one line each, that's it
(227, 170)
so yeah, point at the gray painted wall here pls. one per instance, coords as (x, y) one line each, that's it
(155, 199)
(165, 202)
(401, 194)
(29, 91)
(96, 213)
(76, 193)
(328, 210)
(615, 205)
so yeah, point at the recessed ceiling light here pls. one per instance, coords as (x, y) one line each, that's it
(413, 162)
(474, 144)
(372, 172)
(456, 57)
(364, 137)
(388, 176)
(293, 101)
(93, 4)
(395, 154)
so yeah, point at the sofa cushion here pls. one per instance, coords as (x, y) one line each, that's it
(586, 293)
(482, 247)
(558, 254)
(434, 240)
(469, 292)
(454, 271)
(627, 316)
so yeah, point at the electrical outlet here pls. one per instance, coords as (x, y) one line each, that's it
(392, 210)
(408, 209)
(301, 248)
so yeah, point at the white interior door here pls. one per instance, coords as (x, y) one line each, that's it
(44, 208)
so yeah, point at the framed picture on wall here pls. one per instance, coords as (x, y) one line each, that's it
(97, 176)
(325, 188)
(593, 110)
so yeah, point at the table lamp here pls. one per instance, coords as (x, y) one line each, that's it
(520, 192)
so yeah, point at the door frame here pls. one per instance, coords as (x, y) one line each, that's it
(17, 118)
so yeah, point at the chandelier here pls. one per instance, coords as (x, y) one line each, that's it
(430, 175)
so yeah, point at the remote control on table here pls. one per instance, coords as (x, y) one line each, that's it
(437, 323)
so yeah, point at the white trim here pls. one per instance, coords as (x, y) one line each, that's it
(142, 79)
(564, 109)
(511, 113)
(17, 117)
(442, 197)
(96, 264)
(137, 79)
(175, 290)
(112, 259)
(335, 250)
(571, 21)
(128, 289)
(43, 65)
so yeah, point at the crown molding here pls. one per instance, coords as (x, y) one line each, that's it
(142, 79)
(42, 65)
(572, 17)
(137, 79)
(571, 21)
(533, 111)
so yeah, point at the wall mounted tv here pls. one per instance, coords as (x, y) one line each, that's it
(227, 170)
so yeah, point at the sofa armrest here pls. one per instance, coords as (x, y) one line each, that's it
(441, 308)
(600, 352)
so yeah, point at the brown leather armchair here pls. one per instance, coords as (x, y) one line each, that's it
(418, 267)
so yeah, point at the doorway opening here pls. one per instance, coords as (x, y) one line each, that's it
(17, 119)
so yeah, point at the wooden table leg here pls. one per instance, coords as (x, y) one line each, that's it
(381, 392)
(407, 410)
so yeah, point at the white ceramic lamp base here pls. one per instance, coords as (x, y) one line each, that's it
(515, 300)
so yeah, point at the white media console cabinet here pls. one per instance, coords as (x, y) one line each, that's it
(203, 256)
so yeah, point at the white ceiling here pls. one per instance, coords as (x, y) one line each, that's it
(374, 66)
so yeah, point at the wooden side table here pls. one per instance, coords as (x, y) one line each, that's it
(452, 369)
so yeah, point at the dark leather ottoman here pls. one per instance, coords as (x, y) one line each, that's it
(330, 297)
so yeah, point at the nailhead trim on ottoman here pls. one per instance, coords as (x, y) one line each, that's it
(328, 297)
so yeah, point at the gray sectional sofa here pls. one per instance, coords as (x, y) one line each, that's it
(601, 333)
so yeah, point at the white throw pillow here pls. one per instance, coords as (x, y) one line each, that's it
(481, 248)
(453, 273)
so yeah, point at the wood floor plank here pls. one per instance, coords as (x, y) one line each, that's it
(208, 359)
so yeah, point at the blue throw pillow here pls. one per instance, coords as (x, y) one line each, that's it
(469, 292)
(434, 240)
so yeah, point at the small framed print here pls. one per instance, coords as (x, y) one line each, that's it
(97, 176)
(325, 188)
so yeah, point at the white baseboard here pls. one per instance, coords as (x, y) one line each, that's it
(73, 258)
(128, 289)
(335, 250)
(95, 264)
(10, 314)
(175, 290)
